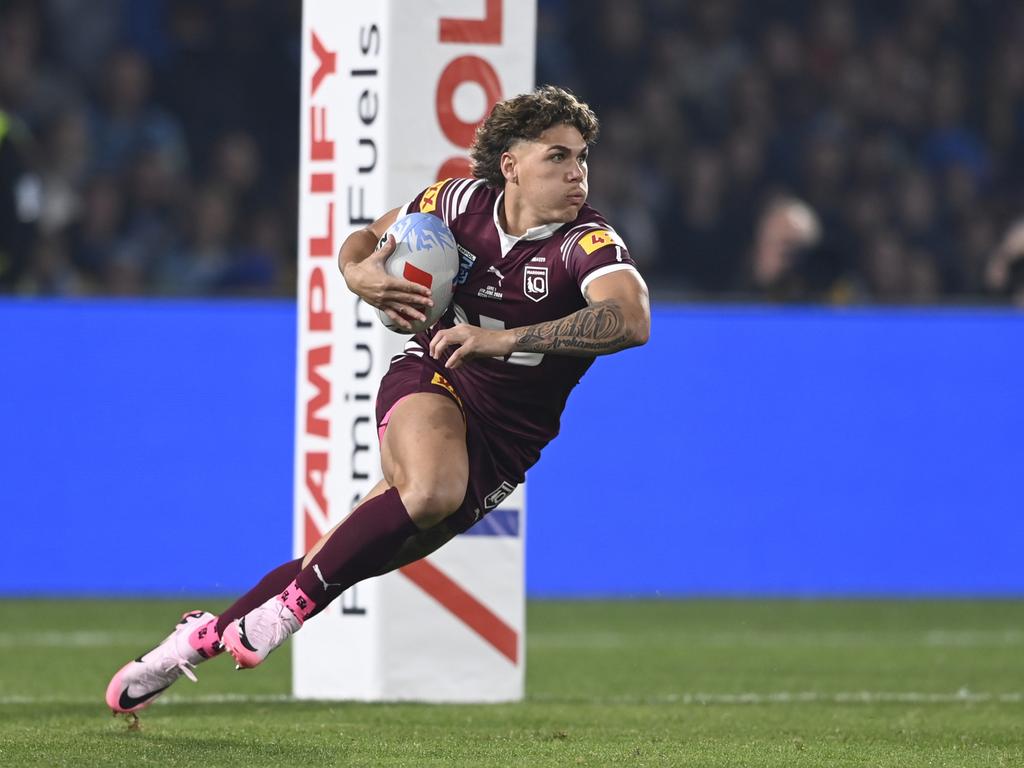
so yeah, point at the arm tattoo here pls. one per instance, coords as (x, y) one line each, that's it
(595, 330)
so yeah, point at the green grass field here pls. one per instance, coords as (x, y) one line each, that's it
(690, 683)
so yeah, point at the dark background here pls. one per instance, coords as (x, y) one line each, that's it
(827, 152)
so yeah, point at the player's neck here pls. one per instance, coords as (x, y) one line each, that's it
(514, 216)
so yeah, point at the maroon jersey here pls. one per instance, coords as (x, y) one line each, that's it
(509, 282)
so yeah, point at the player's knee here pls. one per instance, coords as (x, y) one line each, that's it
(430, 503)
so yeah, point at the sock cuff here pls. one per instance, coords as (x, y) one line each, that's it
(205, 640)
(397, 507)
(298, 602)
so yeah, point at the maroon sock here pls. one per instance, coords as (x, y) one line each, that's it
(269, 585)
(358, 549)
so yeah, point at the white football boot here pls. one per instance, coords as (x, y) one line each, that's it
(139, 682)
(251, 638)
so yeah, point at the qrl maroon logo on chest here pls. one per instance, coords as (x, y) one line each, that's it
(535, 283)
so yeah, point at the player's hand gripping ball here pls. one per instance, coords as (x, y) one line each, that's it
(425, 253)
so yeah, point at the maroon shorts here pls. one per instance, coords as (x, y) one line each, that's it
(496, 463)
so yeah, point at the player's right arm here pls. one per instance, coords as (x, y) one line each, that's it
(362, 265)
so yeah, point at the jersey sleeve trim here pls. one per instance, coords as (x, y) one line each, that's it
(606, 270)
(449, 198)
(457, 197)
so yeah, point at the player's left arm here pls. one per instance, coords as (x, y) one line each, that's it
(617, 316)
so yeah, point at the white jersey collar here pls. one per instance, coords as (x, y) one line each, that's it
(508, 241)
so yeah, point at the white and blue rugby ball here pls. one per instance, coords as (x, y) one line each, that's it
(425, 253)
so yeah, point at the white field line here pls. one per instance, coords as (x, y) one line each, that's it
(962, 696)
(933, 638)
(77, 639)
(936, 638)
(212, 698)
(803, 697)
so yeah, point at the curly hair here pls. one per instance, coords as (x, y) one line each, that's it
(525, 118)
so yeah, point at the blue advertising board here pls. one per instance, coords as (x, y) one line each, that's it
(146, 448)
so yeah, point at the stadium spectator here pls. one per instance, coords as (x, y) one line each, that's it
(157, 196)
(20, 200)
(198, 266)
(63, 167)
(51, 271)
(84, 32)
(32, 85)
(96, 234)
(784, 242)
(127, 122)
(1004, 273)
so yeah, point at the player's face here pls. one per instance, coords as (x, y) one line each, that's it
(551, 174)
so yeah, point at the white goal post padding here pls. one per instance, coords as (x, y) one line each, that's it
(392, 91)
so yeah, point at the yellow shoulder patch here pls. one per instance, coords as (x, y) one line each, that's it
(598, 238)
(429, 200)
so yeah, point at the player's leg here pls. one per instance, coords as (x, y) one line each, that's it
(426, 471)
(423, 455)
(377, 490)
(416, 547)
(426, 467)
(279, 578)
(196, 638)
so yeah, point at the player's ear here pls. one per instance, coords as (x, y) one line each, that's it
(509, 168)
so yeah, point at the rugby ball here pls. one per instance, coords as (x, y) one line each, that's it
(425, 253)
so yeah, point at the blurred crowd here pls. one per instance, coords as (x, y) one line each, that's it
(148, 147)
(829, 151)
